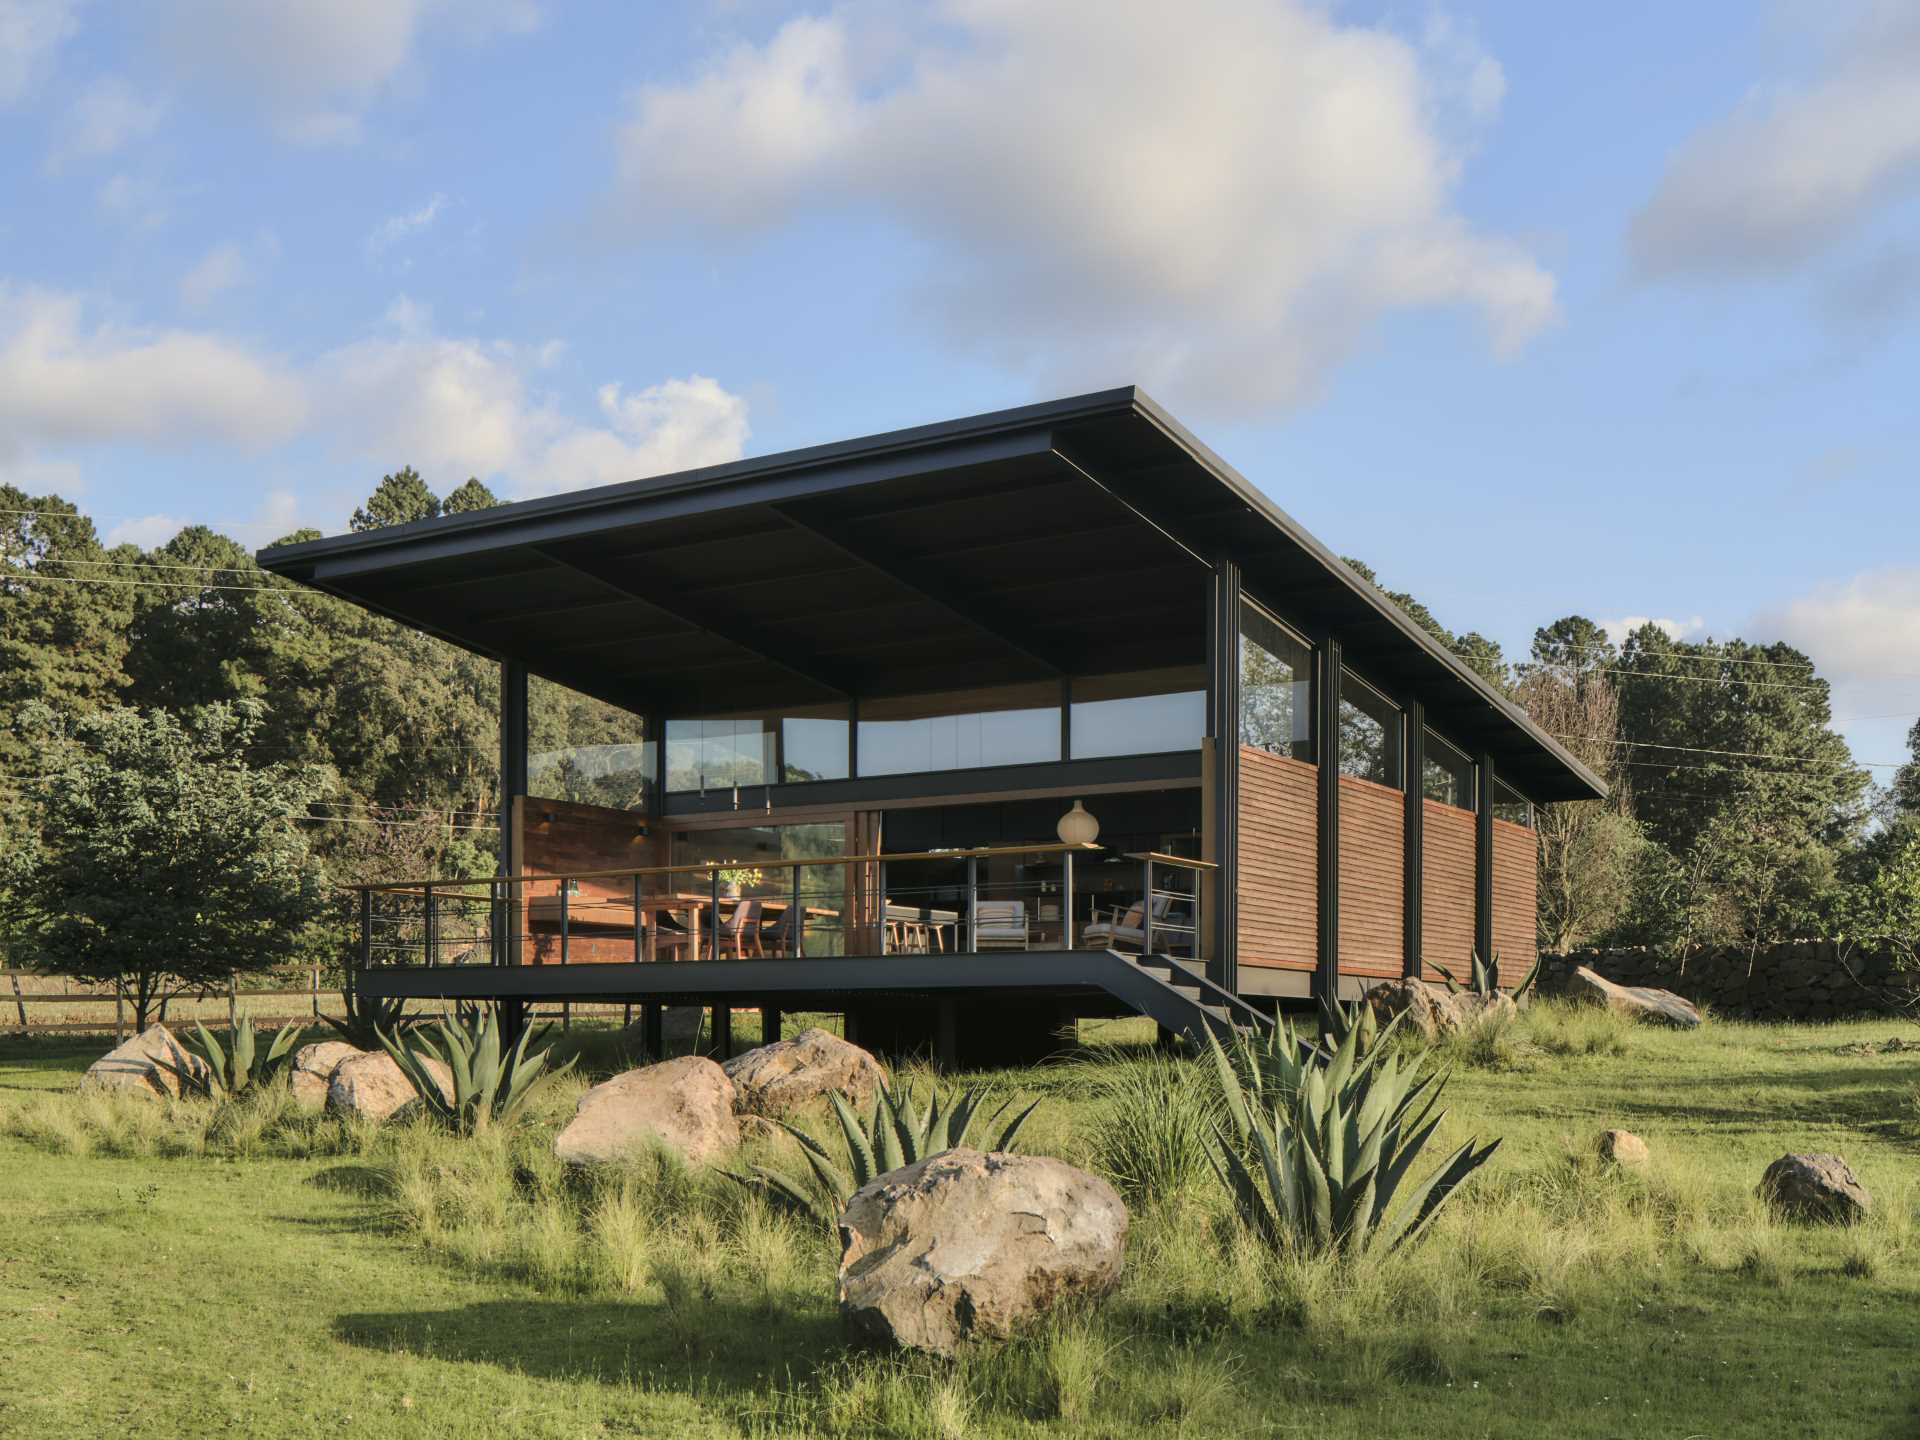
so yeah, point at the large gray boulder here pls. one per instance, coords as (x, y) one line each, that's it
(1639, 1002)
(787, 1075)
(1435, 1011)
(373, 1086)
(1815, 1187)
(133, 1066)
(965, 1246)
(310, 1072)
(685, 1105)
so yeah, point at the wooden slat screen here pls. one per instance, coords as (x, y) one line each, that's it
(1372, 883)
(1278, 899)
(1516, 875)
(1446, 910)
(556, 837)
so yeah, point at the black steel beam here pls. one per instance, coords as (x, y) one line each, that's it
(513, 752)
(1223, 725)
(1008, 628)
(1483, 861)
(741, 634)
(1414, 845)
(1326, 733)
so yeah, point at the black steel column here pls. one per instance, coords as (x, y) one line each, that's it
(770, 1020)
(1326, 741)
(1223, 727)
(1414, 846)
(513, 751)
(1483, 861)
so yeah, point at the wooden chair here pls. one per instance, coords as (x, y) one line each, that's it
(739, 932)
(780, 938)
(1128, 928)
(1001, 925)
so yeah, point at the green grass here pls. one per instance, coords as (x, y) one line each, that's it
(255, 1271)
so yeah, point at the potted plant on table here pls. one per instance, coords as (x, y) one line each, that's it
(736, 878)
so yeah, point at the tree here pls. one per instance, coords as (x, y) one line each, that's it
(470, 495)
(1474, 649)
(1589, 850)
(397, 499)
(160, 858)
(1906, 780)
(1879, 909)
(199, 629)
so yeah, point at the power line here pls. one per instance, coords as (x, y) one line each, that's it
(1613, 651)
(1703, 750)
(290, 590)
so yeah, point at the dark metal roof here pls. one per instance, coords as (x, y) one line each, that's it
(1075, 536)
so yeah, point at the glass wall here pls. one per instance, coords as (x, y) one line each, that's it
(823, 888)
(1276, 686)
(1449, 774)
(1510, 804)
(813, 744)
(1012, 725)
(585, 750)
(1143, 713)
(799, 745)
(1370, 735)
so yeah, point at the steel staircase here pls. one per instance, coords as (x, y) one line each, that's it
(1177, 995)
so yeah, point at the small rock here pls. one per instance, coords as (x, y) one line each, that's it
(1815, 1187)
(1640, 1002)
(311, 1070)
(373, 1085)
(787, 1075)
(132, 1065)
(1623, 1148)
(965, 1246)
(685, 1104)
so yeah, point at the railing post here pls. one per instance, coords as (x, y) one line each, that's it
(432, 923)
(886, 927)
(497, 920)
(366, 928)
(713, 913)
(973, 901)
(1146, 907)
(798, 917)
(563, 922)
(1066, 904)
(639, 929)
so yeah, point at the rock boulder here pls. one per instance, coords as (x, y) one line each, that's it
(780, 1078)
(371, 1084)
(133, 1065)
(1640, 1002)
(1815, 1187)
(311, 1070)
(684, 1104)
(1433, 1010)
(1623, 1148)
(966, 1246)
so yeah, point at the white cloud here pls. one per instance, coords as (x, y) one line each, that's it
(311, 68)
(223, 268)
(108, 115)
(1793, 169)
(30, 32)
(1221, 197)
(64, 380)
(395, 228)
(149, 532)
(135, 200)
(1863, 630)
(455, 407)
(1618, 630)
(42, 474)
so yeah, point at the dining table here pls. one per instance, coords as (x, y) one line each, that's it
(687, 909)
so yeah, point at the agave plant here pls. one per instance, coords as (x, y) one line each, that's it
(1484, 979)
(898, 1134)
(223, 1073)
(366, 1017)
(1319, 1155)
(491, 1082)
(1355, 1017)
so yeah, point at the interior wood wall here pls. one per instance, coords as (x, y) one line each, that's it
(1372, 880)
(1447, 898)
(1516, 875)
(1279, 907)
(555, 837)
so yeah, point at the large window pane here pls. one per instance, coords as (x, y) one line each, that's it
(744, 848)
(1369, 733)
(813, 744)
(1449, 774)
(1013, 725)
(1143, 713)
(1510, 804)
(718, 754)
(1276, 680)
(585, 750)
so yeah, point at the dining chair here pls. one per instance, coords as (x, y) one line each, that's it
(739, 931)
(780, 937)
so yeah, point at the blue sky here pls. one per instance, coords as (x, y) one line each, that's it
(1539, 309)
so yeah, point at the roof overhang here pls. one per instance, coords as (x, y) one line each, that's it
(1077, 536)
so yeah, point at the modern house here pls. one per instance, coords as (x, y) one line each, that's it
(875, 697)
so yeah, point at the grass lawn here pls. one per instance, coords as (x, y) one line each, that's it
(258, 1274)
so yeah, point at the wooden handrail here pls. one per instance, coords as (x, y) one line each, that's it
(1181, 861)
(980, 852)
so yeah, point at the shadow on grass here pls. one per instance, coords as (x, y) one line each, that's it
(702, 1346)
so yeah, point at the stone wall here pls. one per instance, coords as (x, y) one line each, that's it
(1793, 980)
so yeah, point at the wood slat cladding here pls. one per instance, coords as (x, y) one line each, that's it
(1372, 888)
(1447, 885)
(556, 837)
(1278, 898)
(1516, 876)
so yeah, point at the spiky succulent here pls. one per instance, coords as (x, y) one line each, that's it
(1484, 979)
(898, 1134)
(366, 1017)
(491, 1082)
(224, 1072)
(1317, 1153)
